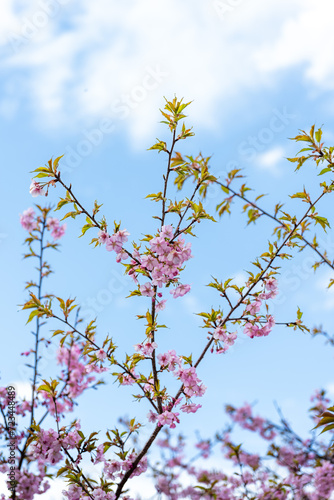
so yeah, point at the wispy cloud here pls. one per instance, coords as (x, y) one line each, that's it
(82, 59)
(301, 42)
(270, 160)
(23, 389)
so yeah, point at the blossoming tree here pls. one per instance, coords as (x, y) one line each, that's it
(52, 444)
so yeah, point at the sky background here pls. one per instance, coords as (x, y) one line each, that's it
(86, 79)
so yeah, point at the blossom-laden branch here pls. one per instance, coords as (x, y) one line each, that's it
(291, 467)
(156, 264)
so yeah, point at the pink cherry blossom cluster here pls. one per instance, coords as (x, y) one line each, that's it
(252, 460)
(127, 379)
(57, 230)
(21, 407)
(304, 473)
(28, 484)
(324, 480)
(75, 492)
(288, 457)
(47, 449)
(28, 219)
(223, 339)
(146, 349)
(165, 259)
(254, 328)
(165, 418)
(204, 447)
(192, 384)
(270, 291)
(77, 373)
(244, 417)
(169, 360)
(162, 262)
(114, 243)
(192, 387)
(113, 470)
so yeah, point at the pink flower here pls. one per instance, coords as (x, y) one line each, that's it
(36, 189)
(190, 408)
(175, 258)
(167, 232)
(251, 330)
(99, 454)
(146, 349)
(205, 447)
(122, 255)
(101, 354)
(122, 236)
(158, 245)
(161, 305)
(58, 232)
(254, 307)
(52, 223)
(168, 418)
(113, 244)
(147, 290)
(254, 330)
(27, 219)
(231, 338)
(111, 467)
(272, 288)
(169, 359)
(219, 334)
(102, 236)
(268, 326)
(152, 417)
(180, 291)
(148, 262)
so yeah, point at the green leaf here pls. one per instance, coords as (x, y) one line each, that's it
(56, 161)
(318, 135)
(32, 315)
(61, 471)
(45, 388)
(325, 170)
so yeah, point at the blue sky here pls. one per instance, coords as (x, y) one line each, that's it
(87, 79)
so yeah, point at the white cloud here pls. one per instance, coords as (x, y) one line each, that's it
(305, 39)
(270, 159)
(55, 491)
(240, 279)
(330, 389)
(192, 304)
(23, 389)
(89, 56)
